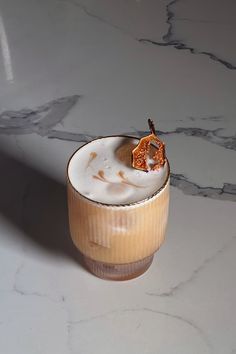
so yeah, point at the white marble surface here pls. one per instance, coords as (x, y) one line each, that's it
(74, 69)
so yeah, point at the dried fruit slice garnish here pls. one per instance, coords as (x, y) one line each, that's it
(141, 153)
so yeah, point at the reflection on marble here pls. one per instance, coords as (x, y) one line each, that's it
(5, 51)
(73, 70)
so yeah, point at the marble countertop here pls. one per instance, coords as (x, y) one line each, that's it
(73, 70)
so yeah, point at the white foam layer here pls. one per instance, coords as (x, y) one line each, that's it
(102, 171)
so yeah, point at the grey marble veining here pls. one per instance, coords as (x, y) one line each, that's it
(169, 39)
(208, 135)
(119, 312)
(73, 70)
(17, 289)
(180, 286)
(43, 119)
(39, 120)
(227, 192)
(93, 15)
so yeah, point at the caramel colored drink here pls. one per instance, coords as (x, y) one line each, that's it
(117, 214)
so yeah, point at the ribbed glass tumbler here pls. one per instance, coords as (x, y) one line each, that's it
(118, 242)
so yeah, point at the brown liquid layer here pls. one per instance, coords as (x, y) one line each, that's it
(118, 234)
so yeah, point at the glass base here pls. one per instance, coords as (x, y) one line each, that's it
(118, 271)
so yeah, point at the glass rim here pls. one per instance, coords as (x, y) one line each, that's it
(121, 205)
